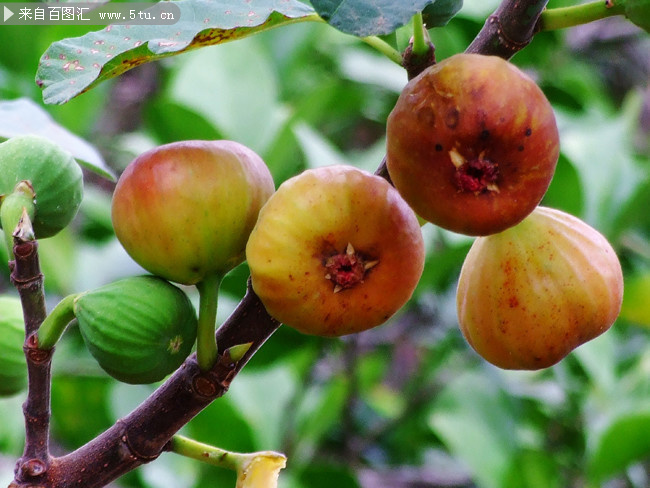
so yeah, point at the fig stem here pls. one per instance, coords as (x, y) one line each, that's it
(52, 328)
(420, 36)
(384, 48)
(214, 455)
(11, 212)
(561, 18)
(206, 341)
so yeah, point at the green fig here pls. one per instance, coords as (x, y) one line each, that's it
(139, 329)
(34, 166)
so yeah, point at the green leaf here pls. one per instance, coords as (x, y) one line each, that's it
(638, 11)
(243, 107)
(441, 12)
(625, 441)
(72, 66)
(635, 301)
(476, 420)
(599, 146)
(22, 116)
(368, 17)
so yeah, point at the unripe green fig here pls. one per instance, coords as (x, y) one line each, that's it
(335, 251)
(184, 210)
(472, 144)
(52, 173)
(531, 294)
(13, 367)
(139, 329)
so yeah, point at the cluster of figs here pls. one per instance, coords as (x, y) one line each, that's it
(472, 146)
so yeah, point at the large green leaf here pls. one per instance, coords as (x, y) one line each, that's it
(625, 441)
(477, 421)
(441, 12)
(371, 17)
(72, 66)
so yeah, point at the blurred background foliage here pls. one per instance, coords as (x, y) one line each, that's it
(407, 404)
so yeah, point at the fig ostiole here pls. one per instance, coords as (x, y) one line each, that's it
(13, 366)
(34, 164)
(531, 294)
(336, 250)
(472, 144)
(139, 329)
(184, 211)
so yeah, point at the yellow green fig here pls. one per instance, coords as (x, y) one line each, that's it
(336, 250)
(531, 294)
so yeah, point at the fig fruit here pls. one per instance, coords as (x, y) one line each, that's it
(472, 144)
(53, 176)
(139, 329)
(185, 210)
(13, 367)
(531, 294)
(336, 250)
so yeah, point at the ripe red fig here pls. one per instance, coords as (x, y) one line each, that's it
(472, 144)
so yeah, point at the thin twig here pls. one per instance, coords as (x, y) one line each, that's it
(27, 278)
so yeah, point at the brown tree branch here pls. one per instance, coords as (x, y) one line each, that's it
(509, 29)
(142, 435)
(27, 278)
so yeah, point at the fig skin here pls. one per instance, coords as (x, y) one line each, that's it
(184, 210)
(52, 172)
(530, 295)
(139, 329)
(317, 218)
(483, 115)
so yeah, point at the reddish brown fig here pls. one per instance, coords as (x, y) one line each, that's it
(530, 295)
(472, 144)
(335, 251)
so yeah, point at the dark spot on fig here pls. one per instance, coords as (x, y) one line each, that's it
(438, 147)
(451, 119)
(529, 131)
(520, 148)
(484, 134)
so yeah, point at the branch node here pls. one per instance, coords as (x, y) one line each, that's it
(133, 451)
(34, 354)
(204, 386)
(32, 468)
